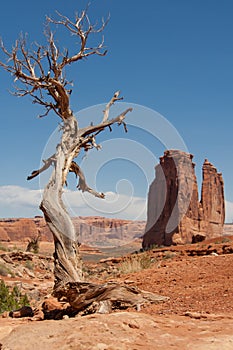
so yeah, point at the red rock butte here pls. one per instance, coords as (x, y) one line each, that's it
(175, 215)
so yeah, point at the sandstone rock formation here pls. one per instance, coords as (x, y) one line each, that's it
(91, 230)
(175, 215)
(228, 229)
(23, 229)
(212, 201)
(102, 231)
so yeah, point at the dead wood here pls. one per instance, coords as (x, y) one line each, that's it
(104, 298)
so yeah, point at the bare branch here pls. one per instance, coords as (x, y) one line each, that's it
(26, 56)
(89, 143)
(100, 127)
(81, 28)
(47, 163)
(109, 104)
(82, 181)
(42, 69)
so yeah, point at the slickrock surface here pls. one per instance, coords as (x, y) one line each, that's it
(122, 331)
(175, 215)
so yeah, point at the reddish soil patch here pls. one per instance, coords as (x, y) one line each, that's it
(198, 280)
(200, 284)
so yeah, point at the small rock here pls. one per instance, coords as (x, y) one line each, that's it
(196, 315)
(29, 273)
(27, 286)
(5, 314)
(133, 325)
(129, 281)
(105, 307)
(7, 259)
(19, 274)
(214, 254)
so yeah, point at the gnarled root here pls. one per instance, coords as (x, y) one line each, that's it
(103, 298)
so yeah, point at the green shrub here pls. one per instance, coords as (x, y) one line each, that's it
(11, 300)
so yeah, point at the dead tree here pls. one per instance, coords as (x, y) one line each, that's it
(39, 72)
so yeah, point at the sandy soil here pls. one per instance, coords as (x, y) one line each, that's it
(198, 315)
(199, 284)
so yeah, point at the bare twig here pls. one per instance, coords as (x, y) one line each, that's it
(109, 104)
(47, 163)
(82, 181)
(42, 69)
(100, 127)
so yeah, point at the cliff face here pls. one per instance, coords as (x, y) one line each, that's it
(212, 200)
(22, 229)
(90, 230)
(175, 214)
(105, 231)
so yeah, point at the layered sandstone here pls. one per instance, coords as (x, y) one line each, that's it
(100, 231)
(228, 229)
(212, 203)
(90, 230)
(175, 214)
(23, 229)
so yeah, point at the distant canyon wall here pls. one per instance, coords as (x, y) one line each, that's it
(175, 214)
(90, 230)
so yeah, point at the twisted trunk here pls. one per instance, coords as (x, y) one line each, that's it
(51, 90)
(67, 261)
(83, 296)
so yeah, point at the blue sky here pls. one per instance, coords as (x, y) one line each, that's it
(171, 56)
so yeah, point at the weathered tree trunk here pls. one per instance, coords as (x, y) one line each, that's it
(41, 73)
(67, 262)
(68, 267)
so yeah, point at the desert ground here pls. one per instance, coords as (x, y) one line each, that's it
(196, 278)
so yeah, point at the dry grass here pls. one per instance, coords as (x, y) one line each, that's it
(5, 271)
(134, 263)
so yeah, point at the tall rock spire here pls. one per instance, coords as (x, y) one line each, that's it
(175, 214)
